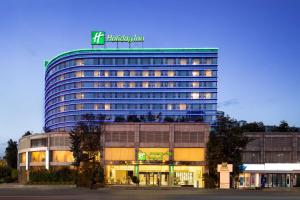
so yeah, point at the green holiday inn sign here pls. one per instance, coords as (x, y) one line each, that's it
(152, 156)
(99, 38)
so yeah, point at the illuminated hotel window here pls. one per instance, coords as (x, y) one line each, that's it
(61, 77)
(132, 84)
(78, 85)
(106, 73)
(157, 84)
(62, 98)
(132, 73)
(171, 73)
(145, 73)
(62, 156)
(145, 84)
(106, 106)
(96, 73)
(79, 74)
(79, 106)
(79, 96)
(38, 156)
(195, 84)
(171, 84)
(107, 84)
(182, 106)
(183, 61)
(157, 73)
(208, 61)
(195, 95)
(96, 106)
(79, 62)
(169, 107)
(207, 95)
(120, 73)
(62, 108)
(208, 73)
(195, 73)
(196, 61)
(120, 84)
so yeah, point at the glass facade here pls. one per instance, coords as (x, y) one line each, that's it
(120, 82)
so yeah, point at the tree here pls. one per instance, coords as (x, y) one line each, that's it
(11, 154)
(133, 118)
(150, 117)
(253, 127)
(86, 146)
(225, 145)
(169, 119)
(119, 119)
(27, 133)
(284, 127)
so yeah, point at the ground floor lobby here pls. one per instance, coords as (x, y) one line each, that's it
(156, 175)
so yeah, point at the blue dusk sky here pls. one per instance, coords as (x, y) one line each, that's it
(258, 41)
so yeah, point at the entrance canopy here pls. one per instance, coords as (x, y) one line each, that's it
(273, 168)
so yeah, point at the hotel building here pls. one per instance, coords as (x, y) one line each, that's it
(180, 83)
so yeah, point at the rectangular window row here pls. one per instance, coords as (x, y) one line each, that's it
(99, 106)
(136, 61)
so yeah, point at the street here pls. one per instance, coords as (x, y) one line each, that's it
(71, 193)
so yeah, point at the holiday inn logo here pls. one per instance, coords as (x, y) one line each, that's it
(98, 37)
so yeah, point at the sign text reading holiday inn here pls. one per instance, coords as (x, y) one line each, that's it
(99, 38)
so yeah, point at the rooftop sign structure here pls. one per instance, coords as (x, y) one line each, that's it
(100, 38)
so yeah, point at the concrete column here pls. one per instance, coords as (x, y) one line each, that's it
(27, 160)
(136, 148)
(171, 156)
(47, 160)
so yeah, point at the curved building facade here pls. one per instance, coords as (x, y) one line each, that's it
(179, 83)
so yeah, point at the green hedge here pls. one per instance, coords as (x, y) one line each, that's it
(64, 175)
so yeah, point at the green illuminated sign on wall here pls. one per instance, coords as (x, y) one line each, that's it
(152, 156)
(99, 38)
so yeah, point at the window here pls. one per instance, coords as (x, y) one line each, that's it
(145, 84)
(195, 95)
(157, 84)
(182, 106)
(207, 95)
(170, 61)
(208, 73)
(96, 106)
(79, 96)
(106, 73)
(120, 61)
(96, 73)
(107, 61)
(132, 61)
(132, 73)
(145, 61)
(195, 73)
(145, 73)
(62, 98)
(120, 84)
(158, 61)
(157, 73)
(195, 84)
(171, 73)
(132, 84)
(171, 84)
(196, 61)
(79, 106)
(183, 61)
(97, 84)
(79, 62)
(120, 73)
(107, 84)
(169, 107)
(61, 77)
(62, 108)
(106, 106)
(79, 74)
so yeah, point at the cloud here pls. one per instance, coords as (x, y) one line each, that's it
(230, 102)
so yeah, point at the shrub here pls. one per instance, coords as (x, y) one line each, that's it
(63, 175)
(135, 180)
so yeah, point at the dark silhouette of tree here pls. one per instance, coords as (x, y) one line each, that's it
(11, 154)
(86, 145)
(253, 127)
(27, 133)
(169, 119)
(133, 118)
(225, 145)
(119, 119)
(284, 127)
(150, 117)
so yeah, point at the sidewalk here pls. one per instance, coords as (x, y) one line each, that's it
(17, 185)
